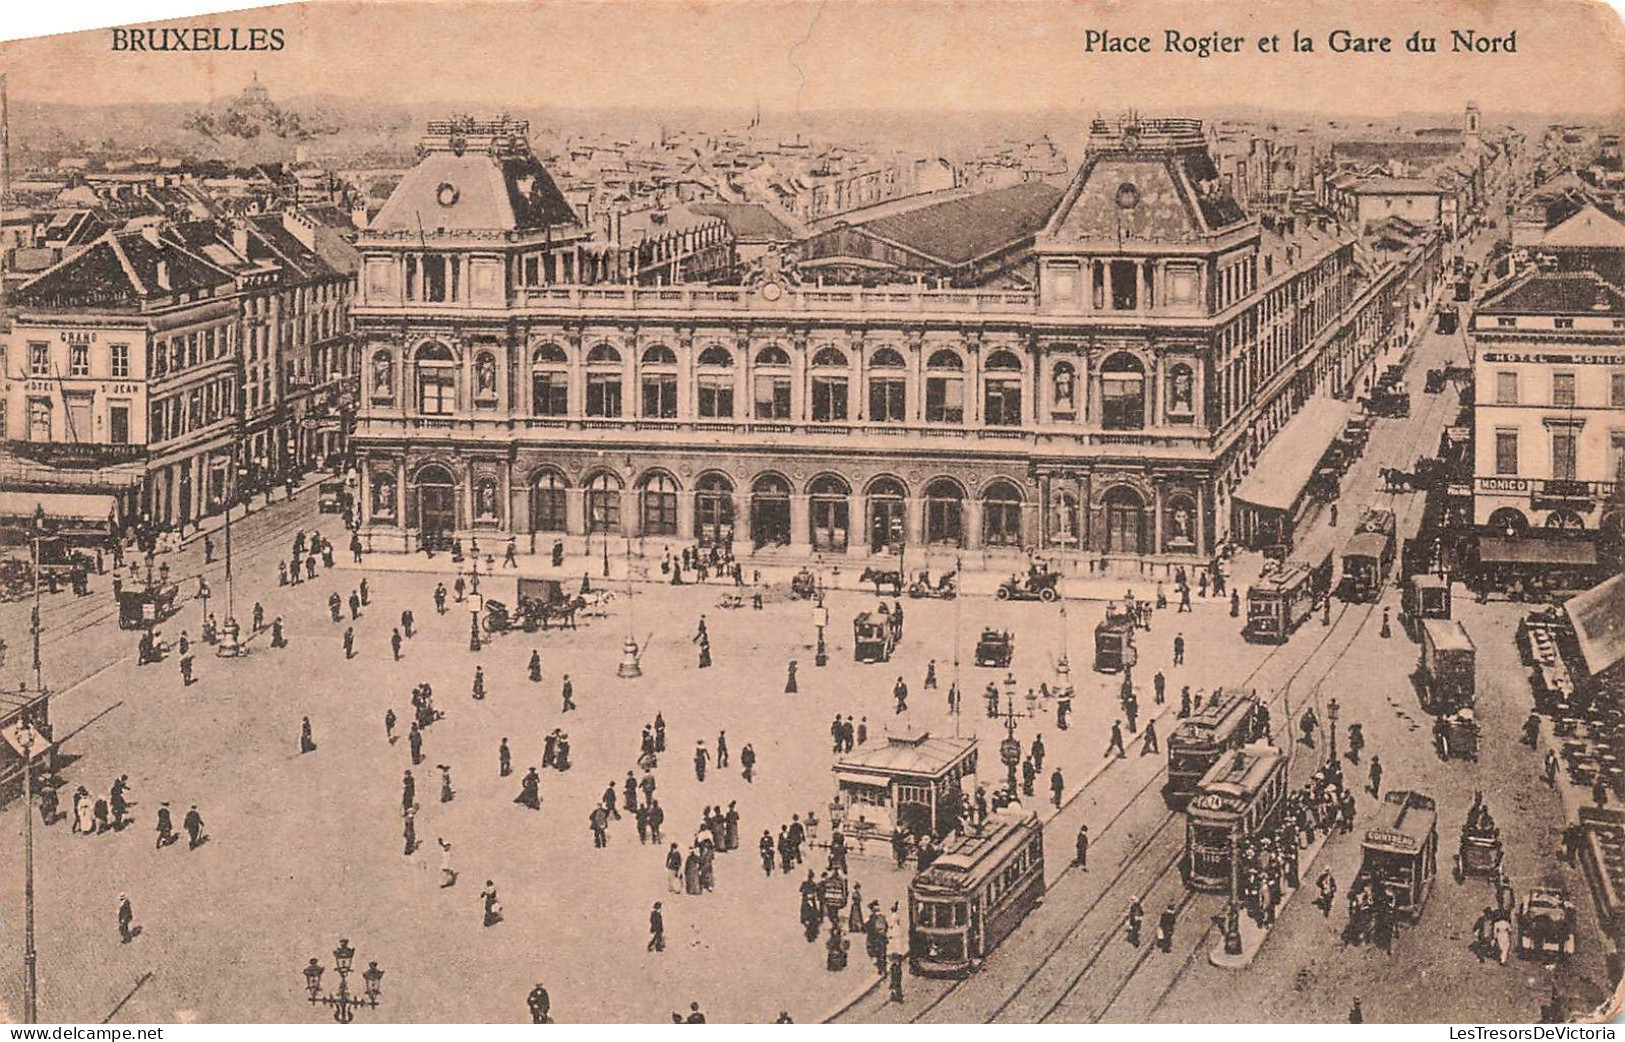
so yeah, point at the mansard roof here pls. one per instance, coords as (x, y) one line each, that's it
(1147, 180)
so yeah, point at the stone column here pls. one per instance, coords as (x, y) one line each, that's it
(575, 511)
(1156, 517)
(970, 521)
(685, 515)
(857, 525)
(631, 520)
(914, 514)
(800, 523)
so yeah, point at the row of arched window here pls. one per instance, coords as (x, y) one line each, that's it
(886, 386)
(832, 526)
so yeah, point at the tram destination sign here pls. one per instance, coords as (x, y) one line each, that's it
(1391, 838)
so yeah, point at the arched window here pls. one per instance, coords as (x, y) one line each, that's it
(714, 510)
(829, 389)
(1509, 521)
(487, 503)
(1001, 390)
(658, 382)
(888, 387)
(770, 511)
(829, 513)
(717, 357)
(432, 505)
(437, 380)
(945, 388)
(604, 382)
(550, 382)
(603, 502)
(1063, 518)
(1001, 515)
(772, 388)
(944, 512)
(658, 504)
(547, 502)
(1125, 521)
(1122, 390)
(1064, 389)
(1566, 520)
(1181, 395)
(383, 375)
(887, 514)
(485, 378)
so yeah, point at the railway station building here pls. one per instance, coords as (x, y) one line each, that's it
(1102, 418)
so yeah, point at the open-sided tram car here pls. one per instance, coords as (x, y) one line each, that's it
(1401, 853)
(975, 894)
(146, 604)
(1240, 796)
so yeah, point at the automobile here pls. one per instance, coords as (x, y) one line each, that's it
(995, 648)
(1037, 586)
(1545, 923)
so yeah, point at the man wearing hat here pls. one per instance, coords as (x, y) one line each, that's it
(125, 917)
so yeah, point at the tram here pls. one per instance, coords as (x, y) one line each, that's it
(1283, 598)
(975, 894)
(1239, 797)
(1207, 734)
(1367, 556)
(1401, 854)
(1114, 643)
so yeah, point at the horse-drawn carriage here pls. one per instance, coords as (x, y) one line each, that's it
(873, 637)
(537, 604)
(1455, 735)
(1479, 853)
(146, 604)
(804, 586)
(946, 587)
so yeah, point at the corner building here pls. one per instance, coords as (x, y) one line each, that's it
(1104, 418)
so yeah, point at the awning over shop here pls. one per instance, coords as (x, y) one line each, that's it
(60, 506)
(1284, 468)
(1569, 553)
(1598, 616)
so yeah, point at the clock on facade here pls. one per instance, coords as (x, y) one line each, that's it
(446, 194)
(1128, 196)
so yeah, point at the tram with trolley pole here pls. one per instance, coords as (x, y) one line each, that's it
(1283, 598)
(975, 894)
(1228, 722)
(1240, 797)
(1367, 557)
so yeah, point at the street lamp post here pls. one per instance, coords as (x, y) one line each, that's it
(1010, 749)
(25, 741)
(343, 1003)
(820, 621)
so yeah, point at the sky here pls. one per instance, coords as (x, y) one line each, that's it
(788, 56)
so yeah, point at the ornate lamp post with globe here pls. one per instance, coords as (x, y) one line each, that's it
(344, 1004)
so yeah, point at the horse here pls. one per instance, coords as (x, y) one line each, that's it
(883, 577)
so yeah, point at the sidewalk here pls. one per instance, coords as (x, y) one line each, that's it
(1253, 936)
(215, 522)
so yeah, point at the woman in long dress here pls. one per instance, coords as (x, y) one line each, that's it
(691, 873)
(83, 812)
(708, 857)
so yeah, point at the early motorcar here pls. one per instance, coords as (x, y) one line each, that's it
(996, 648)
(1037, 586)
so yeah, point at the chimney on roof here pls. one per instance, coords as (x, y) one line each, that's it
(149, 232)
(300, 227)
(162, 276)
(239, 238)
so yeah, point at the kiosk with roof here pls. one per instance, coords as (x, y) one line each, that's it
(912, 781)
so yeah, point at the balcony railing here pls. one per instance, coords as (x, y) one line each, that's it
(793, 299)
